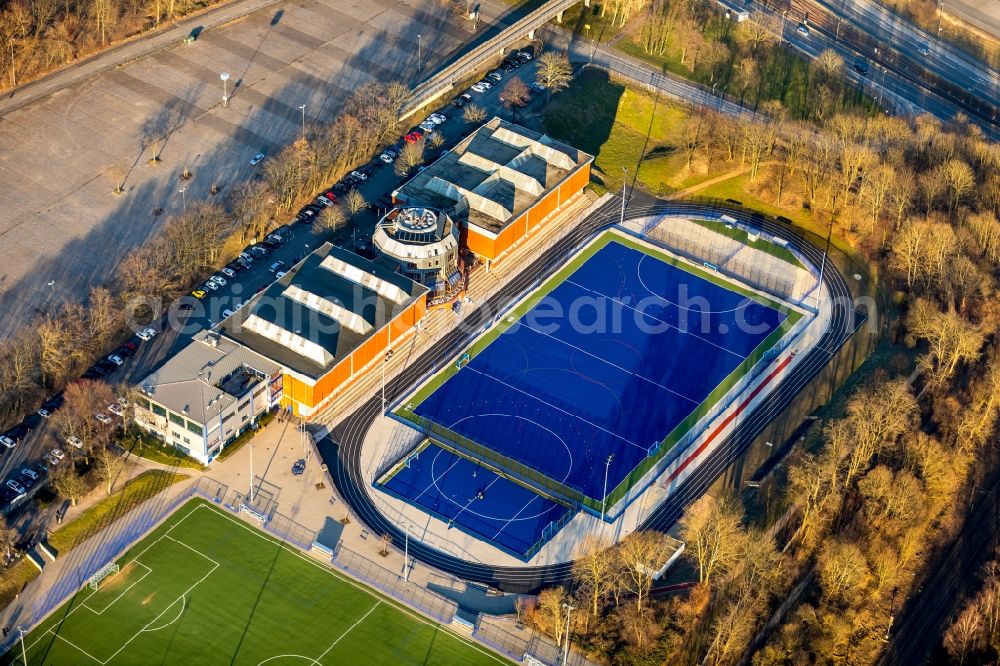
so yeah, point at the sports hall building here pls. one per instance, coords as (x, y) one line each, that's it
(500, 183)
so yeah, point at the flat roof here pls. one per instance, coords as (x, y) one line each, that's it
(493, 175)
(203, 379)
(322, 310)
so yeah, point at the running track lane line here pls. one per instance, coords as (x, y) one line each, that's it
(729, 419)
(667, 324)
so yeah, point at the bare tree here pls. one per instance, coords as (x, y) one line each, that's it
(951, 339)
(515, 94)
(333, 218)
(829, 62)
(965, 634)
(553, 72)
(548, 614)
(69, 485)
(410, 157)
(843, 570)
(594, 570)
(354, 202)
(474, 114)
(758, 31)
(641, 554)
(118, 172)
(711, 530)
(110, 466)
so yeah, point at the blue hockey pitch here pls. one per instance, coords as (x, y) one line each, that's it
(607, 363)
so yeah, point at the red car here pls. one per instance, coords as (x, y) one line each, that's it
(331, 196)
(413, 136)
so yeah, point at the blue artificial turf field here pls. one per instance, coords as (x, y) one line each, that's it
(607, 363)
(478, 501)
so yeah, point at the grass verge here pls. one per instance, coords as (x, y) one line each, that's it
(235, 445)
(111, 508)
(140, 443)
(14, 579)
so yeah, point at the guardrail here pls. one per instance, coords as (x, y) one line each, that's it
(446, 78)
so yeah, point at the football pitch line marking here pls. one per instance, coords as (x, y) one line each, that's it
(665, 323)
(350, 581)
(638, 273)
(613, 365)
(349, 630)
(559, 409)
(113, 601)
(180, 612)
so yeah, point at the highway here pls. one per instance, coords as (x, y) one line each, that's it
(341, 450)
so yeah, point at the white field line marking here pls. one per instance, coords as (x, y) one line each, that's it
(514, 517)
(613, 365)
(558, 409)
(194, 550)
(349, 630)
(349, 581)
(473, 499)
(183, 601)
(665, 323)
(124, 592)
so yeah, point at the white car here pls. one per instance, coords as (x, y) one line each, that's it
(256, 159)
(7, 441)
(358, 175)
(116, 409)
(219, 280)
(16, 487)
(226, 312)
(117, 360)
(427, 126)
(802, 30)
(323, 201)
(280, 274)
(103, 418)
(44, 413)
(57, 454)
(211, 286)
(480, 87)
(437, 118)
(146, 334)
(389, 156)
(228, 272)
(73, 440)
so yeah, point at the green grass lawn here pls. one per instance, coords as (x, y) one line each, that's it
(140, 443)
(112, 507)
(206, 588)
(740, 235)
(406, 411)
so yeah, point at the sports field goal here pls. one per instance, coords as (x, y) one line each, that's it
(462, 361)
(108, 569)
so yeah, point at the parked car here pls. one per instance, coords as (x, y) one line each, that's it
(227, 271)
(427, 126)
(324, 201)
(147, 334)
(257, 159)
(7, 441)
(437, 118)
(116, 409)
(277, 266)
(117, 360)
(388, 156)
(803, 30)
(509, 64)
(461, 100)
(496, 76)
(73, 440)
(226, 313)
(210, 286)
(413, 137)
(280, 274)
(537, 87)
(44, 413)
(219, 280)
(524, 55)
(198, 293)
(16, 487)
(124, 352)
(103, 418)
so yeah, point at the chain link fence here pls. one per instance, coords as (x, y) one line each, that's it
(288, 530)
(392, 583)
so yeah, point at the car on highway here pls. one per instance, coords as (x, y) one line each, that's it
(257, 159)
(198, 293)
(227, 271)
(219, 280)
(146, 334)
(861, 67)
(924, 49)
(103, 418)
(388, 156)
(7, 441)
(803, 30)
(117, 360)
(73, 440)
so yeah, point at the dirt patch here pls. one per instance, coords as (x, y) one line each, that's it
(117, 580)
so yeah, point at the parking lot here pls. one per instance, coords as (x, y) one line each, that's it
(64, 231)
(146, 350)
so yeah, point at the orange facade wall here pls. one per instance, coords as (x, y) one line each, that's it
(297, 391)
(331, 381)
(480, 244)
(543, 208)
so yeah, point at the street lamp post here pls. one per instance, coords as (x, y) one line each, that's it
(251, 474)
(624, 182)
(184, 204)
(420, 48)
(225, 88)
(781, 35)
(303, 109)
(406, 554)
(24, 654)
(604, 500)
(385, 361)
(569, 609)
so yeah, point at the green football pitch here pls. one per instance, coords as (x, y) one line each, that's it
(206, 588)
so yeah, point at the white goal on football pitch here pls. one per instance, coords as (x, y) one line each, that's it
(107, 570)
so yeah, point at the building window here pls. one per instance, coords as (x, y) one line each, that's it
(256, 394)
(178, 420)
(142, 402)
(245, 417)
(228, 416)
(244, 404)
(186, 440)
(159, 411)
(194, 427)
